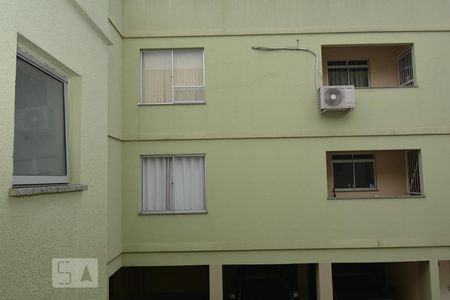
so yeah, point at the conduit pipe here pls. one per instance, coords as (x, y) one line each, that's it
(317, 76)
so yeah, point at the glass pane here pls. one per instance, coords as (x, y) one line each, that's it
(343, 175)
(39, 132)
(188, 183)
(189, 94)
(188, 67)
(364, 175)
(363, 156)
(358, 63)
(337, 77)
(154, 183)
(264, 289)
(337, 63)
(342, 157)
(157, 77)
(359, 77)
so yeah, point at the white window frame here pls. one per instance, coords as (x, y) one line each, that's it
(37, 180)
(169, 196)
(347, 67)
(171, 51)
(403, 54)
(353, 161)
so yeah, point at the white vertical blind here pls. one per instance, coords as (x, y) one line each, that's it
(188, 75)
(188, 183)
(157, 77)
(188, 67)
(155, 175)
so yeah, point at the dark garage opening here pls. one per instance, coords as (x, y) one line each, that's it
(261, 282)
(160, 283)
(381, 281)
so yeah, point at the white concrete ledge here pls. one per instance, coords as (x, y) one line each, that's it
(173, 103)
(21, 191)
(170, 212)
(285, 245)
(375, 197)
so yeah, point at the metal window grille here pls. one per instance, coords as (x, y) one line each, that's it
(405, 68)
(413, 169)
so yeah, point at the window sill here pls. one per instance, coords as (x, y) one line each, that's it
(30, 190)
(385, 87)
(173, 103)
(357, 190)
(187, 212)
(375, 197)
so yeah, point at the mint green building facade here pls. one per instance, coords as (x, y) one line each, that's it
(73, 38)
(266, 146)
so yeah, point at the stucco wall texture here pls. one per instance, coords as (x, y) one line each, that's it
(115, 147)
(33, 230)
(265, 141)
(259, 128)
(144, 18)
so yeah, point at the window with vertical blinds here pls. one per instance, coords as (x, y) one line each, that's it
(173, 184)
(348, 72)
(353, 172)
(173, 76)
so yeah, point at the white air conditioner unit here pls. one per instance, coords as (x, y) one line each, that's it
(337, 98)
(32, 119)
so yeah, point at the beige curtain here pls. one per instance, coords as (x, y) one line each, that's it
(188, 75)
(187, 84)
(157, 77)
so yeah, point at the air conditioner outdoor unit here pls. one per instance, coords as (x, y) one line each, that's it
(337, 98)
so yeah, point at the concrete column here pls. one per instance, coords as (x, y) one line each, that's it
(325, 282)
(215, 282)
(435, 288)
(444, 279)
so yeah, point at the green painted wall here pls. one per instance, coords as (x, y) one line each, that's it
(206, 17)
(273, 94)
(115, 123)
(273, 192)
(114, 150)
(115, 13)
(265, 145)
(95, 12)
(264, 139)
(114, 199)
(36, 229)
